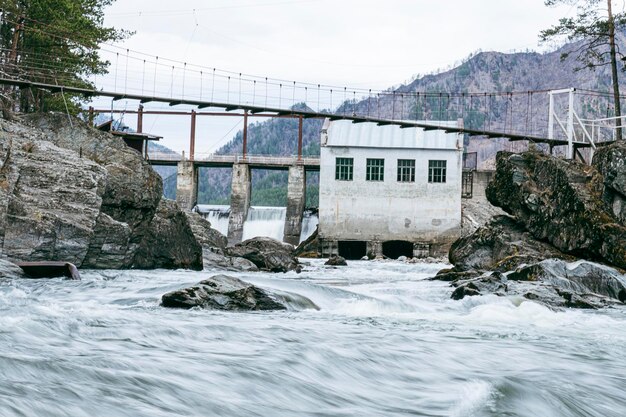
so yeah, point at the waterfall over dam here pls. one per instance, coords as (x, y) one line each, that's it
(261, 221)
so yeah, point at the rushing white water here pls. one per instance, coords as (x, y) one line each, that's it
(385, 342)
(261, 221)
(216, 215)
(265, 221)
(309, 224)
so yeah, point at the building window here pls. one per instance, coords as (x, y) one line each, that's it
(406, 170)
(375, 170)
(436, 171)
(343, 169)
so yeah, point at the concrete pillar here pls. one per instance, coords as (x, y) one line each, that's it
(296, 196)
(374, 249)
(187, 185)
(239, 202)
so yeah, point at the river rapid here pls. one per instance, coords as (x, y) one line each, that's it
(385, 342)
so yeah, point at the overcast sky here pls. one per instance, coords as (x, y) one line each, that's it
(366, 43)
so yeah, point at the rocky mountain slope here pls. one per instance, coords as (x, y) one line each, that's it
(492, 72)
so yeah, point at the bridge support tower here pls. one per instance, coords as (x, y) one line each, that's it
(239, 201)
(187, 185)
(296, 196)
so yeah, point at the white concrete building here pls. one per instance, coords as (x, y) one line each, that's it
(388, 190)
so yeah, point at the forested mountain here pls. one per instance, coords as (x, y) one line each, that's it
(482, 72)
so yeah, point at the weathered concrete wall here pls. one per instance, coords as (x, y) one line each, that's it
(481, 180)
(187, 185)
(296, 192)
(390, 210)
(239, 202)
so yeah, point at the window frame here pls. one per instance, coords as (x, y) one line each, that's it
(344, 169)
(437, 171)
(375, 169)
(406, 170)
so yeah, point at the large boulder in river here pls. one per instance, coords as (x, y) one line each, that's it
(222, 292)
(204, 233)
(266, 253)
(71, 193)
(182, 251)
(213, 246)
(501, 245)
(610, 161)
(560, 202)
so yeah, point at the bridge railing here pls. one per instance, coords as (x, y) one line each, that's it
(603, 130)
(230, 159)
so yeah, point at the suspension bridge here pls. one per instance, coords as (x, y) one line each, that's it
(573, 118)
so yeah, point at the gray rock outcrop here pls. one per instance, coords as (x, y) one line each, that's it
(181, 251)
(266, 253)
(552, 282)
(222, 292)
(71, 193)
(559, 202)
(563, 210)
(610, 161)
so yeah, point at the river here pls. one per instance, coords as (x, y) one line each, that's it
(385, 342)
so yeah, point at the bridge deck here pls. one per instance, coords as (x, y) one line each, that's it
(278, 111)
(225, 161)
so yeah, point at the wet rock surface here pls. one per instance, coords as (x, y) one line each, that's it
(610, 161)
(71, 193)
(336, 260)
(222, 292)
(562, 211)
(182, 250)
(559, 202)
(501, 245)
(266, 253)
(552, 282)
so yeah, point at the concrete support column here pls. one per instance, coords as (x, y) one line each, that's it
(374, 248)
(296, 192)
(187, 185)
(239, 202)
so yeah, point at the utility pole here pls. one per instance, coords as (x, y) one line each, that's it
(19, 27)
(613, 55)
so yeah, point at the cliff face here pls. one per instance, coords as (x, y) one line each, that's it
(71, 193)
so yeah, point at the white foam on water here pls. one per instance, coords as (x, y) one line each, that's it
(474, 396)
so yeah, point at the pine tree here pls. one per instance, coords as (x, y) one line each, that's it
(54, 42)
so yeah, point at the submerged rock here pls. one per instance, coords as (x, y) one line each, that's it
(266, 253)
(222, 292)
(336, 260)
(552, 282)
(9, 270)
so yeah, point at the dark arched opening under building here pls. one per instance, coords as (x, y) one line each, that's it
(352, 249)
(395, 248)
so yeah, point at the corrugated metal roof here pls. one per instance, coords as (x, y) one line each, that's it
(346, 133)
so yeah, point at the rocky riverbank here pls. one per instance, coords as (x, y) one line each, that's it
(71, 193)
(564, 241)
